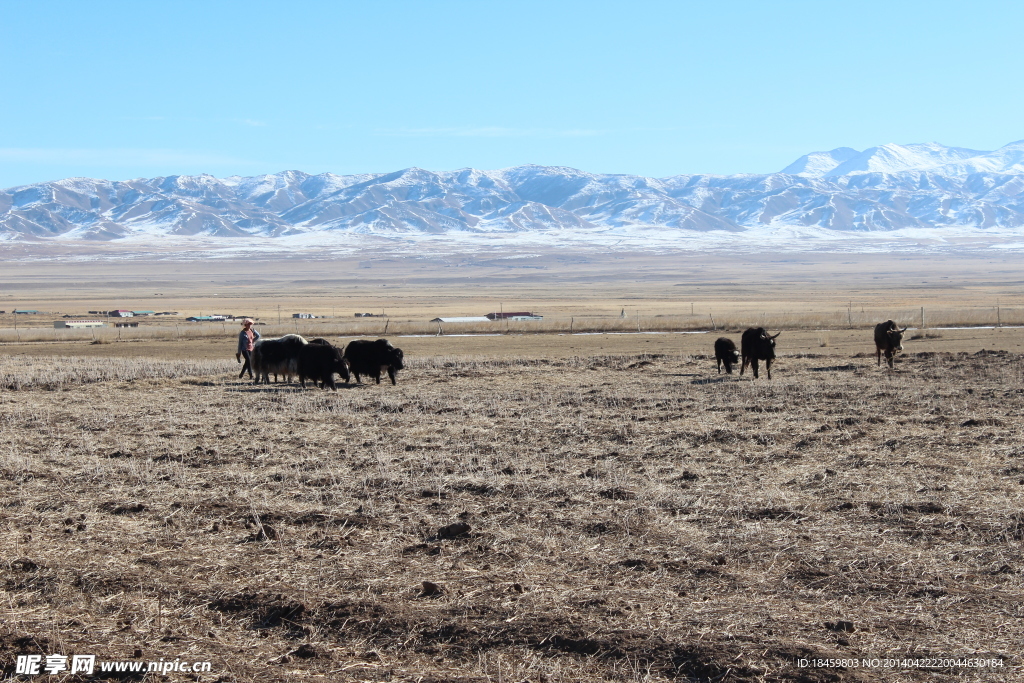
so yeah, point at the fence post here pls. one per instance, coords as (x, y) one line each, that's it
(922, 317)
(571, 321)
(713, 325)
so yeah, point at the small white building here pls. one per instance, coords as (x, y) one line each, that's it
(75, 324)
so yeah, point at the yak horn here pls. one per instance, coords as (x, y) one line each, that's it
(773, 336)
(904, 329)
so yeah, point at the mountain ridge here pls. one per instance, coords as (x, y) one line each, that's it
(881, 189)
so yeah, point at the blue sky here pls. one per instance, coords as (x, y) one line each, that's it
(139, 89)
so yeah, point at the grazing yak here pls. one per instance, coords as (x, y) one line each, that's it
(757, 345)
(725, 354)
(367, 357)
(888, 339)
(319, 360)
(278, 356)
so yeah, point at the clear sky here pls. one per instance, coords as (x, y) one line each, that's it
(140, 89)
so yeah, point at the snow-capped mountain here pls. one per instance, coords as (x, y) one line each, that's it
(817, 164)
(885, 188)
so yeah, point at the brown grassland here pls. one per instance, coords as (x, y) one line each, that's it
(520, 507)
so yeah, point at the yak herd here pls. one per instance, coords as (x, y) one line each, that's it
(318, 360)
(757, 345)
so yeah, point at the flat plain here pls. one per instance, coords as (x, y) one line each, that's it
(541, 507)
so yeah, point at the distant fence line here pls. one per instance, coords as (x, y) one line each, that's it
(849, 317)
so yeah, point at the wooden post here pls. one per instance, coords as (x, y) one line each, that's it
(713, 325)
(638, 320)
(922, 317)
(999, 318)
(849, 315)
(571, 321)
(386, 326)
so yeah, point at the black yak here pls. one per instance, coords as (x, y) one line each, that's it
(319, 360)
(888, 339)
(757, 345)
(367, 357)
(725, 354)
(279, 356)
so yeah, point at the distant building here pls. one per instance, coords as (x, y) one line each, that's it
(25, 311)
(466, 319)
(518, 315)
(303, 315)
(74, 324)
(120, 313)
(142, 313)
(167, 313)
(205, 319)
(133, 324)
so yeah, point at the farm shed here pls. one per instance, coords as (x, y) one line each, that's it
(120, 313)
(470, 319)
(143, 313)
(74, 324)
(126, 324)
(518, 315)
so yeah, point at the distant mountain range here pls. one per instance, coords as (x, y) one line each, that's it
(885, 188)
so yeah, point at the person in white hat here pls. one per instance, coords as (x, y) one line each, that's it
(246, 341)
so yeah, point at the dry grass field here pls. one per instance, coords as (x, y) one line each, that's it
(579, 291)
(519, 508)
(528, 504)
